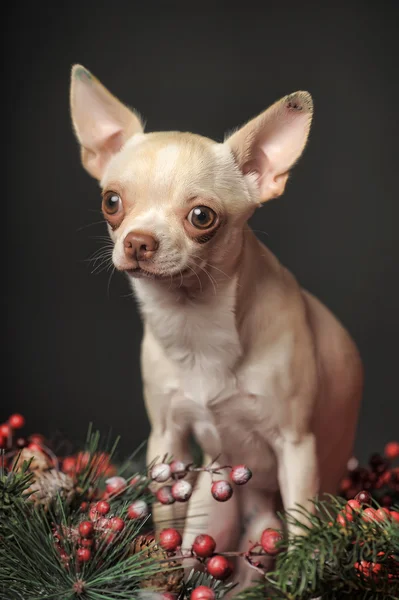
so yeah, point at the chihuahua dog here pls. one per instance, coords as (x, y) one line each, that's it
(235, 353)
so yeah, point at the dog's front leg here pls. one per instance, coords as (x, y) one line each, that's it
(298, 475)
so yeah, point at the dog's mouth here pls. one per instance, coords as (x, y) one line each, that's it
(139, 272)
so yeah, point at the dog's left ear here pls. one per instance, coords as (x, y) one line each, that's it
(269, 145)
(101, 122)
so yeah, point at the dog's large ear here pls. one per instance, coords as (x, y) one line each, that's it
(269, 145)
(102, 124)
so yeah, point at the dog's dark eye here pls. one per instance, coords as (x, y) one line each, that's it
(111, 203)
(202, 217)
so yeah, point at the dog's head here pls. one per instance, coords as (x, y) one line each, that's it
(175, 202)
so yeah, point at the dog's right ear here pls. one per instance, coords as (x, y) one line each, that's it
(102, 124)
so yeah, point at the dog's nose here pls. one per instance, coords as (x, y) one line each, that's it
(140, 245)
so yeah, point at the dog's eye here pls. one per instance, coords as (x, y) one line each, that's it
(111, 203)
(202, 217)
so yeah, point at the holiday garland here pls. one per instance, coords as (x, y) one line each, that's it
(79, 526)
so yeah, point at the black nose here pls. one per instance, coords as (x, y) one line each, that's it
(140, 245)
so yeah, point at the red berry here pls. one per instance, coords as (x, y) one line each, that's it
(182, 490)
(103, 507)
(35, 447)
(221, 491)
(116, 524)
(363, 497)
(240, 474)
(269, 540)
(83, 554)
(164, 495)
(394, 516)
(391, 450)
(219, 567)
(161, 472)
(37, 438)
(115, 485)
(202, 592)
(16, 421)
(170, 539)
(352, 506)
(5, 430)
(369, 515)
(137, 510)
(86, 529)
(382, 514)
(204, 545)
(86, 542)
(342, 519)
(68, 464)
(178, 469)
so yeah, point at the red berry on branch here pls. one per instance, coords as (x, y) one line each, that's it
(115, 485)
(369, 515)
(221, 490)
(137, 510)
(204, 545)
(5, 430)
(269, 540)
(178, 469)
(182, 490)
(86, 529)
(37, 438)
(83, 554)
(103, 507)
(343, 518)
(164, 495)
(240, 474)
(202, 592)
(382, 514)
(170, 539)
(16, 421)
(352, 506)
(394, 516)
(116, 524)
(68, 464)
(219, 567)
(86, 542)
(161, 472)
(363, 497)
(391, 450)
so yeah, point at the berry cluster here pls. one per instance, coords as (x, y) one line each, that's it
(381, 477)
(180, 490)
(8, 437)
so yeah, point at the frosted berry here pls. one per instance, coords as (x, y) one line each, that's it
(164, 495)
(204, 545)
(137, 510)
(116, 524)
(202, 592)
(103, 507)
(240, 474)
(83, 554)
(115, 485)
(363, 497)
(178, 469)
(170, 539)
(16, 421)
(391, 450)
(219, 567)
(221, 490)
(182, 490)
(86, 529)
(161, 472)
(269, 541)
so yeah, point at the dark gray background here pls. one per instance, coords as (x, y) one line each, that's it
(71, 348)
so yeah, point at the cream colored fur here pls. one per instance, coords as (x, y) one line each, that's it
(234, 351)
